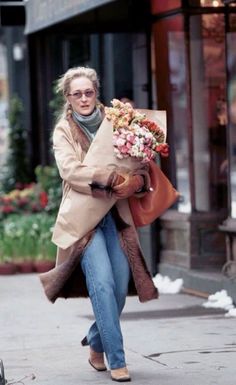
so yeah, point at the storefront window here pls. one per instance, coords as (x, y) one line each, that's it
(3, 103)
(209, 111)
(231, 61)
(79, 50)
(170, 49)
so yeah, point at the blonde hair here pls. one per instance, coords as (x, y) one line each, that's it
(63, 84)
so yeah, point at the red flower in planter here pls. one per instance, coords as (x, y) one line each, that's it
(28, 199)
(43, 198)
(35, 207)
(6, 200)
(22, 202)
(7, 209)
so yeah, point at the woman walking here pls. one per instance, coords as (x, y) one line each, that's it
(96, 260)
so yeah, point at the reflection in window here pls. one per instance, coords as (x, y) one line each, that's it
(177, 60)
(231, 61)
(209, 3)
(208, 81)
(3, 103)
(172, 88)
(163, 6)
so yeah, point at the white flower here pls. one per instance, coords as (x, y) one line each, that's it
(120, 142)
(35, 226)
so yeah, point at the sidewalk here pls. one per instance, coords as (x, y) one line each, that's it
(170, 341)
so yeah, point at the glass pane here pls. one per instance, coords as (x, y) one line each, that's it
(172, 96)
(79, 50)
(209, 112)
(3, 103)
(206, 3)
(231, 61)
(209, 3)
(163, 6)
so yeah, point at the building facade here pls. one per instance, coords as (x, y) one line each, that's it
(195, 82)
(177, 55)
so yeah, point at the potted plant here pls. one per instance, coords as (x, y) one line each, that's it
(16, 170)
(26, 240)
(7, 265)
(45, 259)
(46, 250)
(25, 265)
(43, 265)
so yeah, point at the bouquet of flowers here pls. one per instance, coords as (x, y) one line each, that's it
(133, 134)
(101, 154)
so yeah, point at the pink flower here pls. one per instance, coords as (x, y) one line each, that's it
(131, 138)
(116, 103)
(120, 142)
(141, 147)
(124, 150)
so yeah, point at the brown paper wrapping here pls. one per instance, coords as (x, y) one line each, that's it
(101, 153)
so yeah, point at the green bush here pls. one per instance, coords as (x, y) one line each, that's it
(27, 237)
(49, 181)
(15, 172)
(57, 101)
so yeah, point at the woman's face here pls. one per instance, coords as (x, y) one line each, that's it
(82, 96)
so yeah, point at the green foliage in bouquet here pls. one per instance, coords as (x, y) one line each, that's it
(16, 170)
(27, 237)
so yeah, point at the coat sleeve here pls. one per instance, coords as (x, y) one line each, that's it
(79, 176)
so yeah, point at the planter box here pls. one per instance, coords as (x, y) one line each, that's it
(43, 266)
(25, 267)
(7, 268)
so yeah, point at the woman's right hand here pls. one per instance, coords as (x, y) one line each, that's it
(127, 185)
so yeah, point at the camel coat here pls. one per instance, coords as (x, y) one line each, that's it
(76, 222)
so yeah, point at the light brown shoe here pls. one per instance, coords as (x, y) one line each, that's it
(120, 375)
(96, 360)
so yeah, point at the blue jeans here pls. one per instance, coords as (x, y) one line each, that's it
(107, 273)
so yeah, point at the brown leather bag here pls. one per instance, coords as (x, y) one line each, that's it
(148, 208)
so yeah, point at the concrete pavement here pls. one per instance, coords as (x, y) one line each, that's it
(170, 341)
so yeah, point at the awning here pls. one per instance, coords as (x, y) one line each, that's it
(12, 13)
(45, 13)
